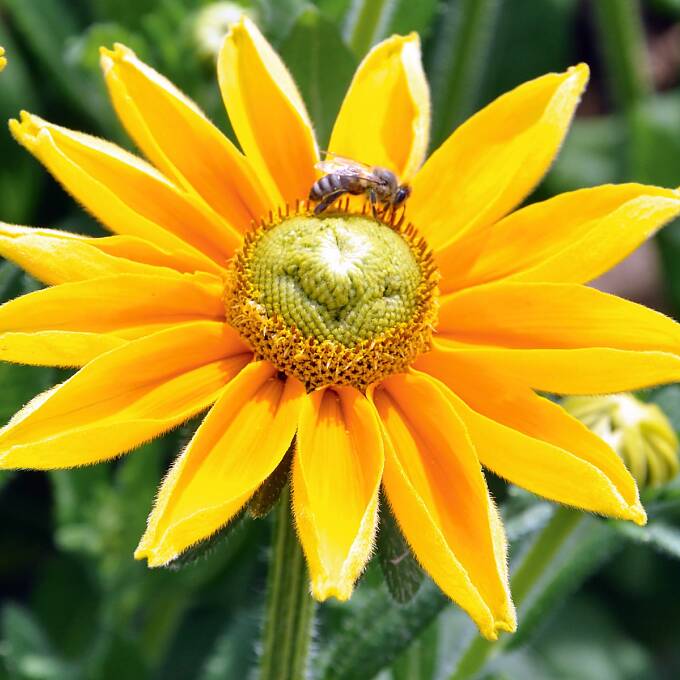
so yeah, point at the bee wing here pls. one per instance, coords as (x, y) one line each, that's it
(339, 165)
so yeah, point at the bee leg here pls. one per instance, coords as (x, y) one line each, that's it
(373, 199)
(327, 200)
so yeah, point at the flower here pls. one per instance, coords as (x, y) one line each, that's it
(319, 328)
(640, 433)
(3, 60)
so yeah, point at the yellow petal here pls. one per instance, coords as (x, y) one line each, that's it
(571, 238)
(56, 348)
(553, 315)
(437, 491)
(553, 444)
(385, 117)
(545, 469)
(594, 370)
(267, 113)
(239, 444)
(124, 398)
(126, 194)
(492, 161)
(337, 471)
(181, 142)
(125, 305)
(54, 256)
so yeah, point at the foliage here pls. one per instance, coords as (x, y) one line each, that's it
(75, 605)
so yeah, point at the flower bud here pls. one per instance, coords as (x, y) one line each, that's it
(212, 23)
(3, 61)
(640, 433)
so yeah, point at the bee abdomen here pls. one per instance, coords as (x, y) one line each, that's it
(326, 185)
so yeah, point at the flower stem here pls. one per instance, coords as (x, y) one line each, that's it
(619, 23)
(366, 17)
(289, 612)
(533, 566)
(459, 59)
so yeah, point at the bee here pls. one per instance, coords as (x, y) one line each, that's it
(345, 176)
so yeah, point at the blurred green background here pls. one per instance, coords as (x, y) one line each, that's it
(75, 605)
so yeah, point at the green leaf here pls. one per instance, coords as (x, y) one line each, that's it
(27, 651)
(407, 16)
(658, 535)
(322, 66)
(402, 573)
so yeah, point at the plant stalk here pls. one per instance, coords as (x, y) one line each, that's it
(289, 609)
(365, 20)
(619, 23)
(544, 549)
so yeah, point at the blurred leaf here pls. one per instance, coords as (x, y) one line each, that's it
(47, 26)
(278, 16)
(419, 660)
(592, 154)
(594, 542)
(26, 649)
(535, 38)
(658, 535)
(19, 174)
(407, 16)
(322, 66)
(403, 574)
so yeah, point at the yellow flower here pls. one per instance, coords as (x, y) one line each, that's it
(3, 61)
(151, 314)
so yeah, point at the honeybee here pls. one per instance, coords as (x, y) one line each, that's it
(345, 176)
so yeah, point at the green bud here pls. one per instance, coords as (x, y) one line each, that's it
(640, 433)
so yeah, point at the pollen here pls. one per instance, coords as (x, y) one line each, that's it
(342, 298)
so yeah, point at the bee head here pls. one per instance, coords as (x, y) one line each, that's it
(401, 194)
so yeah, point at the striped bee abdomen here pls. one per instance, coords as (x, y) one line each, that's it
(329, 184)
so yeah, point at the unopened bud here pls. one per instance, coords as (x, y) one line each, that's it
(3, 61)
(640, 433)
(212, 23)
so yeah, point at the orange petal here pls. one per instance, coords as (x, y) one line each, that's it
(239, 444)
(385, 117)
(126, 194)
(492, 162)
(337, 470)
(437, 491)
(553, 315)
(267, 113)
(571, 238)
(124, 398)
(125, 305)
(54, 256)
(533, 441)
(178, 138)
(593, 370)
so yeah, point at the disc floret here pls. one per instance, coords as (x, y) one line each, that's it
(340, 298)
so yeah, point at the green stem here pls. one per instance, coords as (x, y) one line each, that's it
(289, 612)
(459, 58)
(529, 572)
(619, 23)
(365, 23)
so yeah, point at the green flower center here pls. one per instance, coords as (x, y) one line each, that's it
(338, 299)
(342, 278)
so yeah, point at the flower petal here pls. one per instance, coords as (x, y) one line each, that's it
(571, 238)
(54, 256)
(124, 398)
(534, 442)
(337, 471)
(178, 138)
(385, 117)
(126, 194)
(492, 161)
(267, 113)
(553, 315)
(122, 306)
(239, 444)
(594, 370)
(436, 489)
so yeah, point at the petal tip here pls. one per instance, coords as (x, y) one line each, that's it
(323, 588)
(636, 513)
